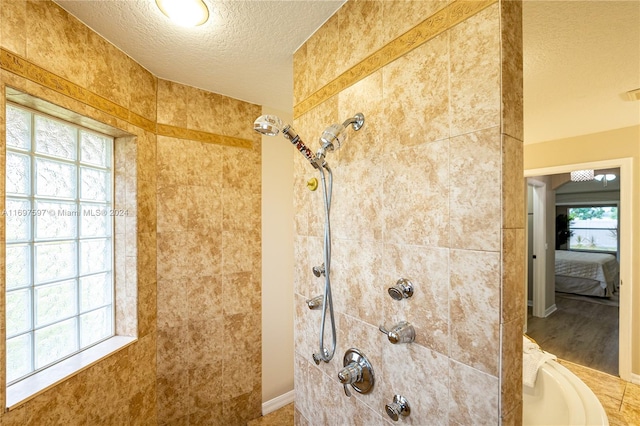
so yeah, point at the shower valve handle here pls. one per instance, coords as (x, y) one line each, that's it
(402, 332)
(357, 372)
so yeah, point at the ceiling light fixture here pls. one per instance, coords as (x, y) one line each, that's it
(604, 178)
(187, 13)
(581, 175)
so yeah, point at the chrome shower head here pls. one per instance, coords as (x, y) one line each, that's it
(269, 125)
(335, 135)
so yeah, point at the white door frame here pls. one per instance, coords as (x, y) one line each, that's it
(626, 246)
(539, 247)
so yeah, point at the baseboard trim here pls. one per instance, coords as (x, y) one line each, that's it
(635, 378)
(551, 309)
(278, 402)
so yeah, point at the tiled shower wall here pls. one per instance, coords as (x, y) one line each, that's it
(209, 262)
(430, 190)
(190, 168)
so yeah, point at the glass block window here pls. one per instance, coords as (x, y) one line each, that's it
(59, 240)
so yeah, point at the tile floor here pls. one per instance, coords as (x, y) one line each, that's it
(620, 399)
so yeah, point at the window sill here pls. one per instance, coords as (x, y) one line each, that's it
(24, 390)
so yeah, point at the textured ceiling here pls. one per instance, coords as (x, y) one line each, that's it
(245, 49)
(580, 57)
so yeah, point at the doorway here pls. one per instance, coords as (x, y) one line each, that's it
(625, 293)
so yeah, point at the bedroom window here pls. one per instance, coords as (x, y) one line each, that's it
(59, 240)
(593, 228)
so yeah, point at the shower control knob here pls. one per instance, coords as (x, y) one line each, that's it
(399, 407)
(402, 290)
(402, 332)
(357, 372)
(318, 270)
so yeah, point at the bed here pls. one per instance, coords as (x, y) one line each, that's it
(590, 274)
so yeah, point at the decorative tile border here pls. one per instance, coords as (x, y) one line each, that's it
(199, 136)
(17, 65)
(439, 22)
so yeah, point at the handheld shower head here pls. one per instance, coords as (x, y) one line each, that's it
(335, 135)
(269, 125)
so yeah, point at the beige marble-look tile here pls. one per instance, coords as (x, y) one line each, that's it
(172, 161)
(238, 250)
(475, 199)
(205, 111)
(428, 309)
(204, 387)
(416, 195)
(420, 375)
(241, 362)
(239, 117)
(362, 31)
(405, 14)
(205, 346)
(239, 410)
(142, 91)
(475, 72)
(204, 166)
(172, 103)
(109, 67)
(300, 75)
(239, 211)
(241, 169)
(473, 396)
(172, 397)
(416, 95)
(301, 383)
(62, 50)
(356, 201)
(512, 69)
(13, 34)
(173, 208)
(173, 303)
(324, 45)
(511, 365)
(356, 283)
(512, 418)
(306, 328)
(204, 208)
(363, 97)
(512, 290)
(474, 303)
(146, 157)
(246, 296)
(308, 253)
(513, 202)
(204, 254)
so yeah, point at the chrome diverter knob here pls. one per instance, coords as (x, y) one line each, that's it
(357, 372)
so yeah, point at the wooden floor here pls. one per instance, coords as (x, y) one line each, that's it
(581, 332)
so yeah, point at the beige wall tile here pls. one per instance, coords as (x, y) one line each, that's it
(473, 396)
(108, 65)
(513, 259)
(405, 14)
(428, 404)
(512, 69)
(512, 188)
(475, 73)
(13, 34)
(416, 198)
(63, 50)
(324, 44)
(416, 95)
(428, 309)
(172, 103)
(362, 31)
(475, 200)
(205, 111)
(511, 368)
(301, 83)
(475, 309)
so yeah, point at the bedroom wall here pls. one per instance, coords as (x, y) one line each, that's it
(612, 144)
